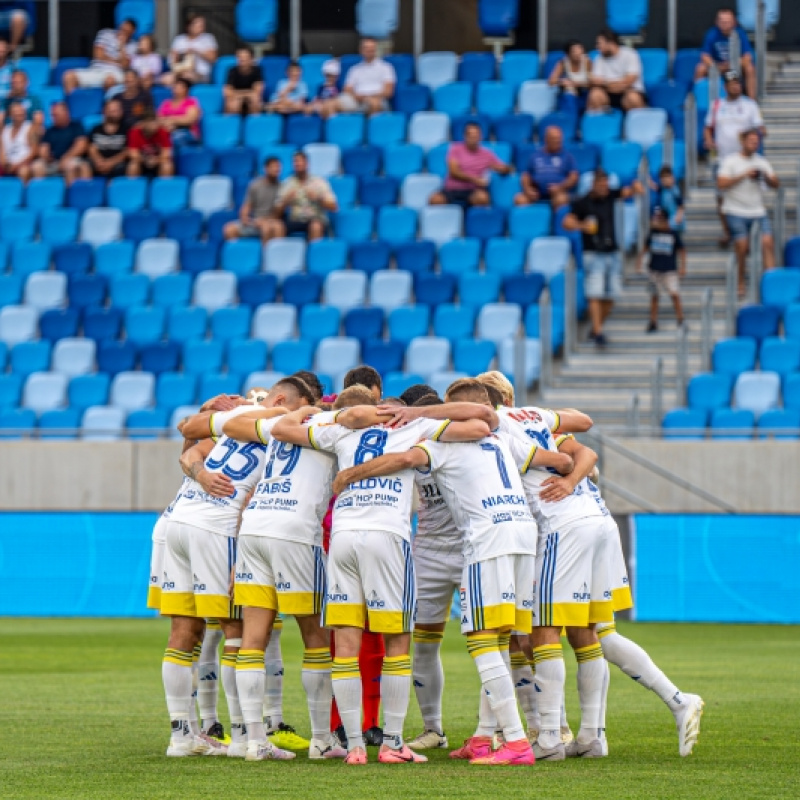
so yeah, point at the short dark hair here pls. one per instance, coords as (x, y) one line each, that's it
(609, 35)
(182, 80)
(269, 159)
(300, 154)
(293, 64)
(666, 169)
(726, 10)
(413, 393)
(365, 375)
(311, 381)
(245, 47)
(130, 21)
(571, 43)
(495, 398)
(429, 400)
(467, 390)
(299, 385)
(392, 401)
(473, 124)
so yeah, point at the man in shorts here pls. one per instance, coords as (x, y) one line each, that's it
(111, 54)
(62, 147)
(369, 85)
(306, 200)
(258, 215)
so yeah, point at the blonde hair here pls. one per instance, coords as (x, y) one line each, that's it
(498, 381)
(355, 395)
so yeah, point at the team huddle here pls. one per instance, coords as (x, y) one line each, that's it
(508, 515)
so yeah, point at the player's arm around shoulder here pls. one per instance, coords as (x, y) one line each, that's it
(248, 427)
(199, 426)
(290, 427)
(456, 412)
(584, 458)
(359, 417)
(570, 420)
(192, 463)
(471, 431)
(414, 458)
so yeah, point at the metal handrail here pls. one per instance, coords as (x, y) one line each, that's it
(672, 30)
(681, 360)
(634, 410)
(570, 312)
(541, 27)
(761, 50)
(656, 391)
(731, 296)
(546, 340)
(779, 218)
(706, 329)
(756, 264)
(626, 494)
(520, 379)
(690, 141)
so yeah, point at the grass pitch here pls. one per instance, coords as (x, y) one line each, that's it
(83, 717)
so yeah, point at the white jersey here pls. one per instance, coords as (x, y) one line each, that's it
(436, 529)
(594, 493)
(374, 504)
(483, 490)
(293, 494)
(160, 528)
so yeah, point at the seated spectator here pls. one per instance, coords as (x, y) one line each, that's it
(19, 94)
(17, 144)
(244, 87)
(717, 50)
(616, 76)
(572, 74)
(14, 21)
(369, 85)
(62, 148)
(147, 63)
(180, 114)
(552, 172)
(324, 103)
(306, 201)
(135, 100)
(291, 92)
(258, 215)
(668, 197)
(108, 143)
(193, 53)
(111, 54)
(6, 69)
(468, 168)
(150, 149)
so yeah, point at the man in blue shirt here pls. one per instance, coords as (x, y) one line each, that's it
(552, 172)
(18, 93)
(717, 50)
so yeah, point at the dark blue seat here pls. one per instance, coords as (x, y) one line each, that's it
(362, 161)
(433, 290)
(522, 155)
(147, 423)
(410, 98)
(365, 324)
(183, 225)
(102, 324)
(560, 119)
(758, 321)
(523, 289)
(417, 257)
(686, 61)
(73, 258)
(385, 357)
(85, 194)
(485, 223)
(195, 161)
(58, 323)
(369, 257)
(140, 225)
(199, 256)
(217, 221)
(377, 191)
(586, 155)
(498, 17)
(300, 289)
(404, 65)
(160, 357)
(791, 252)
(257, 289)
(87, 290)
(477, 67)
(303, 129)
(669, 95)
(236, 162)
(513, 128)
(85, 103)
(114, 357)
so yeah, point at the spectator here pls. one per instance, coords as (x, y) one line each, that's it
(552, 172)
(306, 199)
(369, 85)
(244, 88)
(135, 100)
(258, 215)
(572, 74)
(325, 103)
(741, 179)
(180, 114)
(717, 49)
(616, 75)
(147, 63)
(193, 53)
(108, 143)
(468, 168)
(6, 69)
(666, 250)
(726, 120)
(291, 92)
(62, 148)
(150, 149)
(17, 144)
(668, 197)
(111, 54)
(13, 20)
(19, 94)
(593, 215)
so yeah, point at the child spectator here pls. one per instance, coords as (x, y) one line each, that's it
(324, 103)
(667, 195)
(147, 64)
(291, 92)
(667, 265)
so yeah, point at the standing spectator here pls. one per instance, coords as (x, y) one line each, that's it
(258, 215)
(17, 144)
(180, 114)
(726, 120)
(741, 181)
(13, 20)
(717, 49)
(147, 63)
(369, 85)
(593, 215)
(111, 54)
(666, 250)
(108, 143)
(552, 172)
(62, 148)
(135, 100)
(291, 92)
(325, 102)
(150, 149)
(244, 88)
(572, 74)
(306, 200)
(668, 197)
(6, 70)
(616, 75)
(19, 94)
(468, 168)
(193, 53)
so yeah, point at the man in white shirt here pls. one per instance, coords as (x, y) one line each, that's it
(369, 85)
(616, 76)
(193, 53)
(741, 180)
(111, 54)
(725, 121)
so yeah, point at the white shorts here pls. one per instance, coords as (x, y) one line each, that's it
(370, 578)
(497, 594)
(197, 573)
(95, 77)
(281, 575)
(438, 576)
(620, 585)
(157, 563)
(573, 579)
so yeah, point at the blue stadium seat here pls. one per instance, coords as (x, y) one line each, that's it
(548, 255)
(395, 383)
(440, 224)
(454, 322)
(354, 224)
(362, 160)
(345, 188)
(214, 289)
(396, 224)
(426, 355)
(246, 356)
(144, 324)
(10, 289)
(132, 390)
(434, 69)
(140, 225)
(473, 356)
(495, 99)
(345, 130)
(318, 322)
(11, 192)
(498, 321)
(519, 66)
(436, 160)
(655, 65)
(458, 126)
(159, 357)
(503, 189)
(28, 258)
(524, 290)
(417, 190)
(537, 98)
(312, 70)
(30, 357)
(283, 152)
(364, 324)
(212, 384)
(45, 290)
(114, 357)
(429, 129)
(432, 290)
(113, 258)
(377, 191)
(747, 11)
(410, 98)
(59, 225)
(484, 223)
(143, 12)
(709, 390)
(55, 324)
(193, 162)
(155, 257)
(476, 289)
(237, 162)
(453, 99)
(791, 251)
(183, 225)
(404, 67)
(256, 20)
(37, 68)
(221, 131)
(324, 256)
(568, 123)
(174, 389)
(85, 103)
(532, 361)
(498, 18)
(601, 128)
(230, 323)
(386, 129)
(402, 160)
(289, 357)
(390, 289)
(324, 160)
(627, 17)
(59, 423)
(210, 193)
(528, 222)
(733, 356)
(791, 392)
(199, 256)
(757, 321)
(170, 291)
(645, 126)
(671, 96)
(10, 391)
(102, 324)
(202, 356)
(87, 291)
(655, 159)
(263, 129)
(780, 287)
(274, 322)
(101, 225)
(460, 255)
(732, 423)
(416, 256)
(514, 128)
(127, 194)
(780, 423)
(146, 423)
(265, 378)
(186, 323)
(85, 194)
(337, 354)
(408, 322)
(302, 129)
(44, 193)
(386, 357)
(17, 224)
(780, 355)
(370, 257)
(242, 256)
(18, 324)
(505, 256)
(441, 381)
(685, 424)
(622, 159)
(88, 390)
(284, 257)
(477, 67)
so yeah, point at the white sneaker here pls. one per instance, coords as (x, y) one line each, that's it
(193, 746)
(266, 751)
(557, 753)
(687, 718)
(211, 745)
(566, 735)
(533, 735)
(237, 749)
(597, 748)
(328, 747)
(428, 740)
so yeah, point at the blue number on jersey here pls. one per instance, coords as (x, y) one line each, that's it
(543, 439)
(248, 451)
(501, 462)
(371, 445)
(283, 451)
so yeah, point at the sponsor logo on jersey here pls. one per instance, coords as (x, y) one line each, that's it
(583, 596)
(527, 604)
(282, 585)
(198, 587)
(168, 585)
(373, 601)
(337, 595)
(344, 502)
(244, 576)
(504, 499)
(504, 517)
(524, 415)
(509, 594)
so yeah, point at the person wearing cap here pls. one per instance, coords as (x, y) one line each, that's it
(593, 215)
(244, 86)
(291, 92)
(725, 121)
(369, 85)
(324, 103)
(741, 180)
(717, 49)
(667, 265)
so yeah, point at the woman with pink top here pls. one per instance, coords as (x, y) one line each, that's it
(180, 115)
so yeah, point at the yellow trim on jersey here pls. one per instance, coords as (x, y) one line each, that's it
(254, 596)
(213, 605)
(527, 465)
(558, 420)
(577, 615)
(442, 428)
(311, 437)
(349, 615)
(622, 598)
(563, 438)
(427, 452)
(601, 611)
(336, 413)
(212, 432)
(154, 597)
(178, 604)
(258, 431)
(502, 617)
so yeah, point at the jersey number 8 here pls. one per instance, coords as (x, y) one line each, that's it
(371, 446)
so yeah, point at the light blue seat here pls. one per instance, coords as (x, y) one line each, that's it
(230, 323)
(519, 66)
(74, 356)
(498, 321)
(345, 290)
(780, 355)
(437, 68)
(187, 323)
(780, 423)
(274, 322)
(172, 290)
(402, 160)
(242, 256)
(460, 255)
(114, 258)
(45, 290)
(732, 423)
(473, 356)
(645, 126)
(601, 128)
(210, 193)
(319, 322)
(548, 255)
(505, 256)
(337, 354)
(29, 257)
(780, 287)
(537, 98)
(155, 257)
(453, 99)
(324, 160)
(18, 324)
(416, 190)
(45, 391)
(428, 354)
(30, 357)
(129, 290)
(59, 225)
(441, 381)
(345, 187)
(386, 129)
(101, 225)
(408, 322)
(144, 324)
(284, 257)
(345, 130)
(494, 99)
(685, 424)
(44, 193)
(506, 358)
(127, 194)
(17, 225)
(440, 224)
(389, 289)
(397, 224)
(102, 424)
(262, 378)
(354, 224)
(131, 391)
(262, 129)
(734, 356)
(326, 255)
(454, 322)
(377, 18)
(707, 391)
(429, 129)
(746, 11)
(529, 222)
(221, 131)
(757, 391)
(214, 290)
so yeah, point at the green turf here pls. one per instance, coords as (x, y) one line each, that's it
(83, 717)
